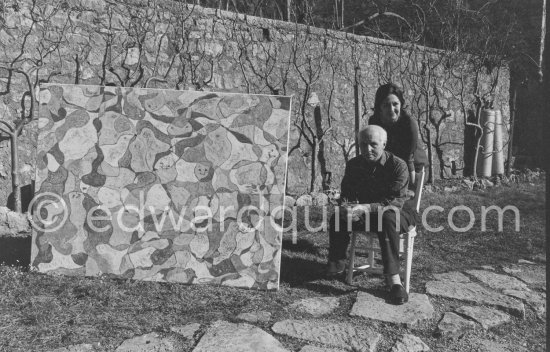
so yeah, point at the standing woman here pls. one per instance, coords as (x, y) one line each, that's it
(402, 129)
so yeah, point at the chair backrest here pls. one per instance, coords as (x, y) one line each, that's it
(418, 189)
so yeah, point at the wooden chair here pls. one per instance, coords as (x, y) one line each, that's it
(373, 246)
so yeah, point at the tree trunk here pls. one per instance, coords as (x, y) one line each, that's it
(429, 132)
(342, 15)
(314, 151)
(320, 155)
(430, 156)
(356, 95)
(542, 38)
(511, 135)
(546, 92)
(336, 13)
(439, 153)
(323, 164)
(288, 10)
(15, 184)
(479, 135)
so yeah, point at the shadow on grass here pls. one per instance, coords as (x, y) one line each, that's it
(334, 287)
(15, 251)
(301, 246)
(310, 274)
(297, 271)
(301, 269)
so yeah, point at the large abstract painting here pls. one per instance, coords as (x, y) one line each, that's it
(161, 185)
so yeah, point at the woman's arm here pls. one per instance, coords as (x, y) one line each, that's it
(411, 148)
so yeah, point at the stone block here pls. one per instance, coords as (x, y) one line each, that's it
(330, 333)
(316, 306)
(498, 281)
(474, 293)
(487, 317)
(223, 336)
(454, 326)
(452, 276)
(410, 314)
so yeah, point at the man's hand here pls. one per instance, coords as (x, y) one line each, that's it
(358, 210)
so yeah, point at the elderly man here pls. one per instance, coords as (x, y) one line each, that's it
(377, 180)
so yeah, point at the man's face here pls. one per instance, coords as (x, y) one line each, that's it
(372, 145)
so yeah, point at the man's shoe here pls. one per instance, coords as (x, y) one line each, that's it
(336, 268)
(398, 295)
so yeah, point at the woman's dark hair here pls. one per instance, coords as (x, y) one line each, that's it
(383, 91)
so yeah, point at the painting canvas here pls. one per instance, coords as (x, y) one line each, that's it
(161, 185)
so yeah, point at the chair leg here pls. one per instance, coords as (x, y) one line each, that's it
(409, 243)
(351, 261)
(371, 252)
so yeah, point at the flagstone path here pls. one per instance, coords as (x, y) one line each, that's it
(484, 299)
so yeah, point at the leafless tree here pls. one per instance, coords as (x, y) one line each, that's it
(542, 40)
(23, 70)
(308, 63)
(13, 130)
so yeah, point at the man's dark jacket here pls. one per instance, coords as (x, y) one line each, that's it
(381, 183)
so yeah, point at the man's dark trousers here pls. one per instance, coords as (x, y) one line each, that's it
(388, 237)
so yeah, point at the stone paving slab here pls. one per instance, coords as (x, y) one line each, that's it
(535, 300)
(151, 342)
(511, 270)
(534, 275)
(330, 333)
(411, 313)
(487, 317)
(474, 293)
(453, 276)
(498, 281)
(223, 336)
(409, 343)
(316, 306)
(492, 346)
(454, 326)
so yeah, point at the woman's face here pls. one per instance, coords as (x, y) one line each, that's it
(390, 109)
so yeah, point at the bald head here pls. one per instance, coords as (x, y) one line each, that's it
(372, 142)
(373, 131)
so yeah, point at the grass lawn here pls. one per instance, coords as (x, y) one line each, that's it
(40, 312)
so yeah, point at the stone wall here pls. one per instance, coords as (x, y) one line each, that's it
(127, 43)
